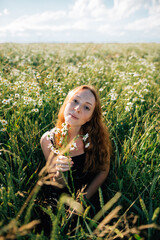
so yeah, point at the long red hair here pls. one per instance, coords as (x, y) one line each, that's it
(99, 151)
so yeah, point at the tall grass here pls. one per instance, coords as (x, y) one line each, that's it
(34, 80)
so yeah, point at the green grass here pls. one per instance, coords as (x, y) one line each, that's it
(34, 80)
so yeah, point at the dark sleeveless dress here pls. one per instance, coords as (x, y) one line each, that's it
(77, 179)
(49, 195)
(80, 177)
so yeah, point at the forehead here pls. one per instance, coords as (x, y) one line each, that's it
(86, 95)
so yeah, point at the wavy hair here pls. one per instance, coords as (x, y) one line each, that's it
(99, 151)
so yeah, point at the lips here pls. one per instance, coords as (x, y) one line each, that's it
(73, 116)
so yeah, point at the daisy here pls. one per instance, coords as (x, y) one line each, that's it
(56, 151)
(56, 130)
(73, 146)
(49, 136)
(87, 145)
(85, 137)
(4, 101)
(4, 122)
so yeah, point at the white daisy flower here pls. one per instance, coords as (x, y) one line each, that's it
(87, 145)
(4, 122)
(3, 129)
(64, 125)
(49, 136)
(17, 95)
(85, 137)
(56, 130)
(50, 145)
(73, 146)
(56, 151)
(64, 132)
(5, 101)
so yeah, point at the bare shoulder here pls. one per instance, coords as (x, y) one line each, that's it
(46, 137)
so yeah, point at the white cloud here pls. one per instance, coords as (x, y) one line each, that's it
(39, 21)
(125, 8)
(5, 11)
(151, 22)
(87, 9)
(88, 15)
(111, 30)
(145, 24)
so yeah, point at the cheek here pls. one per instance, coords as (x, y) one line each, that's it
(87, 117)
(66, 109)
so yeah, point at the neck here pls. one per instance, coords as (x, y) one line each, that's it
(73, 132)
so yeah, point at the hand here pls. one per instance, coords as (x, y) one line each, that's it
(63, 163)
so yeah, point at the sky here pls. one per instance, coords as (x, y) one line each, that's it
(72, 21)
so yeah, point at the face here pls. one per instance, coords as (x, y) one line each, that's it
(80, 109)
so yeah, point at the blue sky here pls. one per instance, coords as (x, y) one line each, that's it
(96, 21)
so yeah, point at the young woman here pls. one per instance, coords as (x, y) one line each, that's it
(81, 111)
(90, 159)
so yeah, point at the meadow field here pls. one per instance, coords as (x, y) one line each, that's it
(34, 80)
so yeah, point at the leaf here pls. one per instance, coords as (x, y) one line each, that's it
(144, 208)
(156, 214)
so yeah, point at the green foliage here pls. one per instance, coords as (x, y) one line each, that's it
(34, 81)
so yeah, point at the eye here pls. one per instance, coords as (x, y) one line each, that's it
(75, 100)
(87, 108)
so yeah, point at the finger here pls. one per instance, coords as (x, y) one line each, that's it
(67, 166)
(63, 169)
(64, 165)
(57, 174)
(52, 170)
(63, 159)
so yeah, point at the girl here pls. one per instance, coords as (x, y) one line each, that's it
(89, 159)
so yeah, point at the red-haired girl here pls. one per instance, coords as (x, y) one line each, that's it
(90, 160)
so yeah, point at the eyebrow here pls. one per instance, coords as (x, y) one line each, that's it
(86, 102)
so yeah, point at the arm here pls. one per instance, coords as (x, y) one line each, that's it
(44, 145)
(96, 183)
(56, 164)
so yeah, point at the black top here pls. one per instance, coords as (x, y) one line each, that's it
(80, 178)
(77, 175)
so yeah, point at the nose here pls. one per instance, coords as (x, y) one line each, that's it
(78, 108)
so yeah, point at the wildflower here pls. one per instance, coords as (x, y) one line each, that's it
(65, 126)
(87, 145)
(17, 95)
(38, 76)
(127, 108)
(130, 104)
(5, 101)
(35, 110)
(3, 129)
(113, 96)
(73, 146)
(50, 145)
(56, 151)
(49, 135)
(101, 89)
(64, 131)
(61, 140)
(85, 137)
(4, 122)
(135, 99)
(40, 102)
(56, 130)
